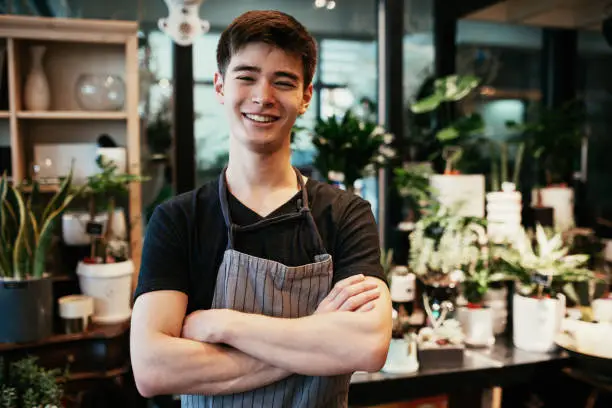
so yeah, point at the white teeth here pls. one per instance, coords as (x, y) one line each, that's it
(260, 118)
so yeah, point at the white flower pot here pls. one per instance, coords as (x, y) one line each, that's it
(536, 322)
(477, 325)
(561, 199)
(111, 287)
(496, 300)
(401, 357)
(75, 222)
(504, 214)
(464, 194)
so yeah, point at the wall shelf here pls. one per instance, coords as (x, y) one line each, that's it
(72, 115)
(4, 115)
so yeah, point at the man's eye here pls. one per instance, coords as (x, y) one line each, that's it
(286, 84)
(246, 78)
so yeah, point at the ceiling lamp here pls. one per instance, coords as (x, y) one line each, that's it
(328, 4)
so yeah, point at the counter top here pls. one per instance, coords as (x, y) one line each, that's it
(500, 365)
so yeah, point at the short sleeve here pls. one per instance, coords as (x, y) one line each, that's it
(357, 248)
(164, 263)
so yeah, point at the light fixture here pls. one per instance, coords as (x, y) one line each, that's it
(183, 23)
(328, 4)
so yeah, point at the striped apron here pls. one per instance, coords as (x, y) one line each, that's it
(254, 285)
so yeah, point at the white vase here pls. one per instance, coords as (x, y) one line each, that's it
(504, 214)
(536, 322)
(561, 200)
(111, 287)
(464, 194)
(496, 300)
(477, 325)
(401, 357)
(37, 96)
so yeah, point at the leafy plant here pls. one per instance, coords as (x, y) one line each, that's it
(482, 274)
(446, 90)
(500, 172)
(25, 385)
(412, 184)
(543, 265)
(102, 191)
(26, 232)
(554, 140)
(350, 147)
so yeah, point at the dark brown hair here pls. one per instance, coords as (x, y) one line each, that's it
(271, 27)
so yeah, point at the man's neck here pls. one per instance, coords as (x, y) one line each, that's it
(252, 171)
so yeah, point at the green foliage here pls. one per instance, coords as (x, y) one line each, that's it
(500, 172)
(108, 182)
(452, 89)
(412, 184)
(554, 140)
(25, 384)
(25, 231)
(350, 146)
(542, 265)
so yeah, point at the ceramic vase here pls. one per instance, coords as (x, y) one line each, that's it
(37, 96)
(504, 214)
(536, 322)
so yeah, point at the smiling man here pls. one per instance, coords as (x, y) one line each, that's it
(262, 288)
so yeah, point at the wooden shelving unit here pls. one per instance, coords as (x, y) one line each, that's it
(73, 47)
(72, 115)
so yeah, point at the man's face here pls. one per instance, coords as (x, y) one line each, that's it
(263, 93)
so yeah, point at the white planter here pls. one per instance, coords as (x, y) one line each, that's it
(561, 200)
(401, 357)
(536, 322)
(463, 194)
(74, 223)
(477, 325)
(111, 287)
(496, 300)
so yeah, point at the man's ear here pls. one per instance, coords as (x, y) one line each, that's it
(306, 99)
(218, 79)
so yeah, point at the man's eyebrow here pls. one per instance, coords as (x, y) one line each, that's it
(251, 68)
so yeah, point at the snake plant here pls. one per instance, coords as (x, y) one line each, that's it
(25, 232)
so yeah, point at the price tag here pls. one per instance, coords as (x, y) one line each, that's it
(94, 228)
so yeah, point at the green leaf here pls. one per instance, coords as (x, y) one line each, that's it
(427, 104)
(448, 133)
(18, 250)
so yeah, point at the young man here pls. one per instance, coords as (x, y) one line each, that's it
(262, 288)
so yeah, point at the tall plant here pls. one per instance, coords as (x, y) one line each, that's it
(26, 232)
(102, 191)
(350, 146)
(500, 171)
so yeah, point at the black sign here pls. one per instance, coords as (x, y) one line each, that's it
(541, 279)
(94, 228)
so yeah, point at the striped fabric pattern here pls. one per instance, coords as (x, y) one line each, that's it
(255, 285)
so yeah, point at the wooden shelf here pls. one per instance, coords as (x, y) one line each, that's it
(72, 115)
(4, 115)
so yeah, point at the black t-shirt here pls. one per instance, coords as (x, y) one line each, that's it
(186, 238)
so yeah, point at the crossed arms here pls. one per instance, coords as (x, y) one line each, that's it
(223, 351)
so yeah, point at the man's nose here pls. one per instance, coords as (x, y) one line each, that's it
(264, 94)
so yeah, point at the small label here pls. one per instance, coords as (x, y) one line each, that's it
(15, 285)
(540, 279)
(94, 229)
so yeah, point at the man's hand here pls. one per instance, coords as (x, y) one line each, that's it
(207, 325)
(353, 294)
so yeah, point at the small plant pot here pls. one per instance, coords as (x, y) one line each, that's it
(27, 307)
(496, 300)
(536, 322)
(477, 325)
(74, 225)
(401, 357)
(111, 287)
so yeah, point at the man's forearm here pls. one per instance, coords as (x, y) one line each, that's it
(326, 344)
(170, 365)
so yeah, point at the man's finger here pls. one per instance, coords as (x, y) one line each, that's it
(355, 302)
(338, 287)
(367, 307)
(350, 291)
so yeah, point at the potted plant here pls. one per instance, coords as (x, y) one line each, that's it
(349, 148)
(541, 266)
(25, 240)
(504, 202)
(106, 274)
(413, 185)
(554, 140)
(25, 384)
